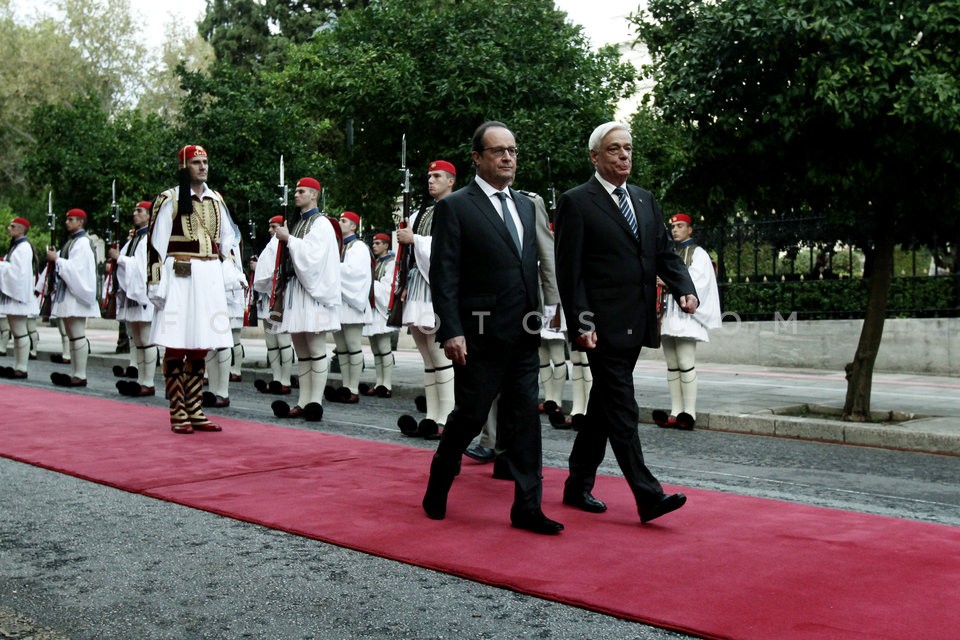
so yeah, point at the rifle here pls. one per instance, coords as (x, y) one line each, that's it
(50, 285)
(553, 190)
(108, 307)
(250, 309)
(661, 307)
(398, 284)
(279, 287)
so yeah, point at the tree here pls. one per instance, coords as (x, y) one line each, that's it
(81, 149)
(846, 108)
(256, 33)
(183, 47)
(435, 69)
(39, 65)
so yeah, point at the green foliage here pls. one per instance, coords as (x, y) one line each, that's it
(80, 150)
(246, 124)
(435, 70)
(253, 34)
(844, 108)
(839, 298)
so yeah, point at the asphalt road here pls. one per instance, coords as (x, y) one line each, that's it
(80, 560)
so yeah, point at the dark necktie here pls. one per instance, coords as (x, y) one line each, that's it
(508, 220)
(625, 210)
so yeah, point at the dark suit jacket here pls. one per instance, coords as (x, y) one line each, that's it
(476, 272)
(607, 277)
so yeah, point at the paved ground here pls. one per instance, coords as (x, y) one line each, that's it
(793, 403)
(80, 560)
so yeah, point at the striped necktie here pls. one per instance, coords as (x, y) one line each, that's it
(625, 210)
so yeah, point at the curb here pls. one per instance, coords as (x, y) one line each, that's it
(932, 435)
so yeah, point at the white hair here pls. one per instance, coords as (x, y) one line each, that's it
(596, 138)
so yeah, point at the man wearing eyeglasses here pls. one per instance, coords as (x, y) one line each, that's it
(484, 278)
(611, 244)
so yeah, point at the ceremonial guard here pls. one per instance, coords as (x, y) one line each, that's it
(377, 332)
(312, 298)
(418, 311)
(75, 295)
(357, 279)
(17, 299)
(220, 362)
(133, 304)
(279, 345)
(681, 331)
(190, 235)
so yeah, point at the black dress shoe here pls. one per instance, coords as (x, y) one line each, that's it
(585, 502)
(534, 520)
(480, 454)
(666, 504)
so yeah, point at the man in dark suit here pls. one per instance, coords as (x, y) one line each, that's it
(611, 245)
(483, 274)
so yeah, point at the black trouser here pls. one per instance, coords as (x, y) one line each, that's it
(511, 372)
(612, 414)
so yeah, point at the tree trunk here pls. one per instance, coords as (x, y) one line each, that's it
(860, 371)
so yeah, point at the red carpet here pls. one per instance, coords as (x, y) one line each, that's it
(725, 566)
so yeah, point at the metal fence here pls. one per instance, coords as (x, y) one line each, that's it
(794, 266)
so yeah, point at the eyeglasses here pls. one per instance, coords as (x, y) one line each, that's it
(499, 152)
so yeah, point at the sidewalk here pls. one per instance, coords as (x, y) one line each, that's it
(791, 403)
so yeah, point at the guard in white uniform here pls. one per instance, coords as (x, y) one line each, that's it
(220, 362)
(75, 295)
(312, 297)
(418, 309)
(357, 280)
(681, 331)
(17, 299)
(191, 234)
(279, 345)
(133, 304)
(377, 332)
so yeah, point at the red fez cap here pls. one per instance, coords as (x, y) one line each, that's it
(276, 220)
(23, 221)
(189, 152)
(442, 165)
(77, 213)
(680, 217)
(351, 216)
(382, 236)
(310, 183)
(144, 204)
